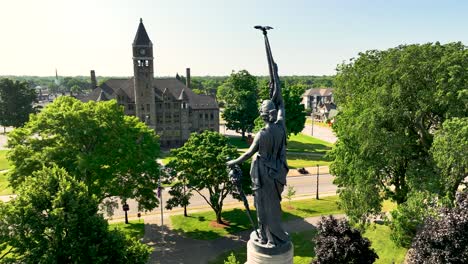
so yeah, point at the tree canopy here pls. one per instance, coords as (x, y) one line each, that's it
(55, 220)
(239, 93)
(201, 164)
(96, 143)
(391, 102)
(16, 102)
(450, 152)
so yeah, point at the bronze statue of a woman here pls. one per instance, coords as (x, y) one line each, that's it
(269, 167)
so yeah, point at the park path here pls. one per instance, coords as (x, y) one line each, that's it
(171, 247)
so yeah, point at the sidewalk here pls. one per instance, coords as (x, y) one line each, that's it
(172, 247)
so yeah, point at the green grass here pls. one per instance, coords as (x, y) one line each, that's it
(304, 252)
(135, 229)
(302, 160)
(304, 143)
(4, 164)
(238, 142)
(4, 188)
(200, 225)
(388, 252)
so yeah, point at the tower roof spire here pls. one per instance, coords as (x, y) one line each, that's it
(141, 37)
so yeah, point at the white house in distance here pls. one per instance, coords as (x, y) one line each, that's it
(321, 103)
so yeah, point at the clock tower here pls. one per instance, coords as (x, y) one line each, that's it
(143, 72)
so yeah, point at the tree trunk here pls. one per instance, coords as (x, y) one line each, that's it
(219, 220)
(185, 211)
(243, 134)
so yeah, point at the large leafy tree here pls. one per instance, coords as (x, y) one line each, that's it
(450, 152)
(16, 102)
(55, 220)
(111, 153)
(391, 103)
(295, 113)
(239, 93)
(201, 165)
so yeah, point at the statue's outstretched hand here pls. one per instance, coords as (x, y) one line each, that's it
(231, 163)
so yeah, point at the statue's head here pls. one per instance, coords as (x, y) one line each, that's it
(268, 111)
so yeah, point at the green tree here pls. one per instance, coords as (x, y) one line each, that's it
(16, 102)
(95, 142)
(450, 152)
(201, 163)
(239, 93)
(410, 216)
(55, 220)
(391, 102)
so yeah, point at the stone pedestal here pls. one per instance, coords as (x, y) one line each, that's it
(260, 254)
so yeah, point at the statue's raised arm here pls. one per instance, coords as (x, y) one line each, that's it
(275, 84)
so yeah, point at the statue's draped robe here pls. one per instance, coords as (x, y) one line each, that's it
(268, 172)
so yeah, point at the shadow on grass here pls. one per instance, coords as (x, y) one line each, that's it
(303, 242)
(133, 229)
(172, 246)
(238, 142)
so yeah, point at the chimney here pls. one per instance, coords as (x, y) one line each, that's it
(93, 80)
(187, 78)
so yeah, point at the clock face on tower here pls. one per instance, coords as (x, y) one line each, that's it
(142, 51)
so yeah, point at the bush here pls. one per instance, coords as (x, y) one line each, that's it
(231, 259)
(443, 238)
(337, 242)
(409, 217)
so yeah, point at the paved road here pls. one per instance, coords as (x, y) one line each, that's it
(304, 185)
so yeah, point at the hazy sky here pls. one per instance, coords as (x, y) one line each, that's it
(214, 37)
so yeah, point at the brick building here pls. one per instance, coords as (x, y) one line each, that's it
(166, 104)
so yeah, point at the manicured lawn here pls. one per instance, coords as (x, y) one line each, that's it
(304, 143)
(238, 142)
(3, 161)
(4, 189)
(303, 160)
(202, 225)
(304, 252)
(135, 229)
(388, 252)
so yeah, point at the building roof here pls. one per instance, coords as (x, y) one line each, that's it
(167, 86)
(319, 91)
(141, 37)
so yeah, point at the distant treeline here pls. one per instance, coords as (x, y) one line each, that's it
(199, 84)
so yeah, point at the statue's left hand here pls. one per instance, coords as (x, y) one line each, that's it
(231, 163)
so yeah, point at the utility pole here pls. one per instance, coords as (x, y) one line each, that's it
(317, 192)
(312, 126)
